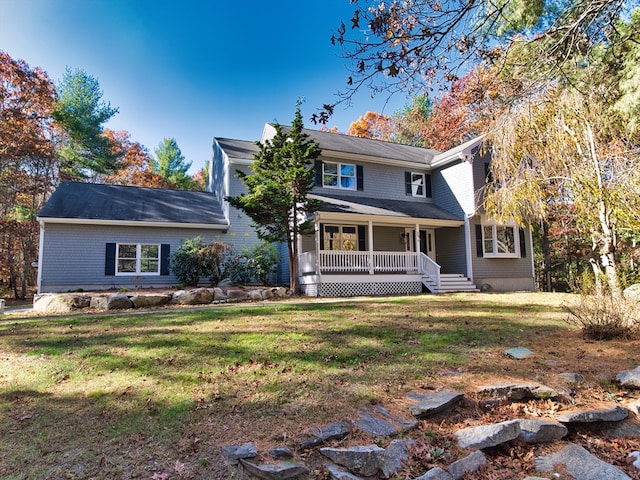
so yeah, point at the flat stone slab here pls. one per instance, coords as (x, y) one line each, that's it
(541, 431)
(333, 431)
(336, 473)
(362, 460)
(279, 471)
(425, 405)
(518, 391)
(486, 436)
(629, 378)
(581, 464)
(610, 413)
(518, 353)
(234, 453)
(436, 473)
(379, 422)
(469, 464)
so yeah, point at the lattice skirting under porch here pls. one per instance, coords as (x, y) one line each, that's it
(345, 289)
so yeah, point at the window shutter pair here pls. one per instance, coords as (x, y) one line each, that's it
(408, 190)
(359, 175)
(480, 248)
(110, 259)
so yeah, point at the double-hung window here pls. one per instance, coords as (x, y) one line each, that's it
(137, 259)
(339, 175)
(500, 241)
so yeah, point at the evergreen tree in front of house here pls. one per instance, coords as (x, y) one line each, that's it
(278, 186)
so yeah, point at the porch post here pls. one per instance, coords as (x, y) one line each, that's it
(371, 266)
(317, 239)
(417, 239)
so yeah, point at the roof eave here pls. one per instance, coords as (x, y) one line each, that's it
(130, 223)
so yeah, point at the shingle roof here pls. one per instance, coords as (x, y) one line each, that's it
(238, 148)
(382, 207)
(338, 142)
(90, 201)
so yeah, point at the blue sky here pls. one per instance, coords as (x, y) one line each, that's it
(193, 69)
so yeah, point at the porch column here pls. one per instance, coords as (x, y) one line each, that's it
(417, 238)
(317, 242)
(371, 267)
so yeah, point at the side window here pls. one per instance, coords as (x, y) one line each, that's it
(137, 259)
(499, 241)
(340, 237)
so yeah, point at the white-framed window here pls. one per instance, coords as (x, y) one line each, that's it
(339, 175)
(418, 184)
(500, 240)
(137, 259)
(340, 237)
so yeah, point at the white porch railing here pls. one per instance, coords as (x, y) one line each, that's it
(339, 261)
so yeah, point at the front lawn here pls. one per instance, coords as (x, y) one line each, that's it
(156, 394)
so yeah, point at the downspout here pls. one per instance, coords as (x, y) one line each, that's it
(371, 266)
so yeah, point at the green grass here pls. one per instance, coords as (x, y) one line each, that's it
(121, 396)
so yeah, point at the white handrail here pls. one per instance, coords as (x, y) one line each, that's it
(430, 268)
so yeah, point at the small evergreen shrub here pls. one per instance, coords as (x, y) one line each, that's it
(256, 263)
(194, 260)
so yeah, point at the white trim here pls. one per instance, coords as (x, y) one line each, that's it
(386, 220)
(128, 223)
(468, 254)
(358, 157)
(138, 259)
(40, 255)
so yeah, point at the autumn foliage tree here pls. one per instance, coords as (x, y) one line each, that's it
(372, 125)
(27, 166)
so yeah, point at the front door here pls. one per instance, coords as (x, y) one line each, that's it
(427, 241)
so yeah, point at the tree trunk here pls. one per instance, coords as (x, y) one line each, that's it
(546, 253)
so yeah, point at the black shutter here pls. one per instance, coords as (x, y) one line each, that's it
(322, 236)
(362, 243)
(110, 259)
(479, 249)
(407, 183)
(359, 178)
(318, 169)
(427, 186)
(523, 245)
(165, 251)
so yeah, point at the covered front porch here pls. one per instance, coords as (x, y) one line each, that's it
(366, 254)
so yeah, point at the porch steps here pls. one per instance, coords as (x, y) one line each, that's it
(451, 282)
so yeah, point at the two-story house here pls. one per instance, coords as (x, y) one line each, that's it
(394, 219)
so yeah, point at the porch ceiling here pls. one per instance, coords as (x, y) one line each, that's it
(392, 211)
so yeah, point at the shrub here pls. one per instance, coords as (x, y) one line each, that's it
(194, 260)
(257, 263)
(602, 317)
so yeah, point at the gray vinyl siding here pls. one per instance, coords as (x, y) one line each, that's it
(75, 255)
(450, 249)
(452, 190)
(242, 233)
(379, 181)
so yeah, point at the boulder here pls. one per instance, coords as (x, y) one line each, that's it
(629, 378)
(237, 295)
(580, 463)
(394, 456)
(197, 296)
(118, 301)
(219, 295)
(56, 303)
(255, 295)
(150, 300)
(486, 436)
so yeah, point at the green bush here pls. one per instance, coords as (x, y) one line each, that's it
(256, 263)
(194, 260)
